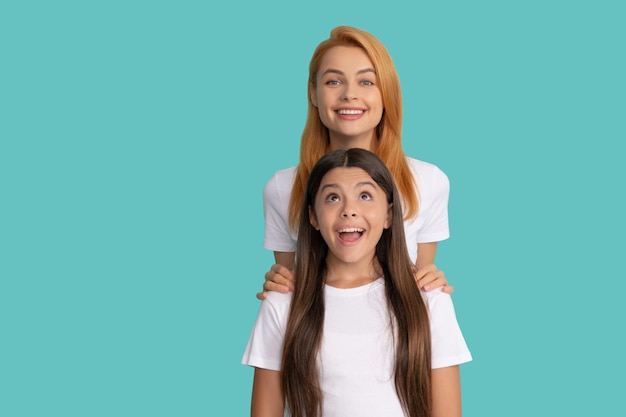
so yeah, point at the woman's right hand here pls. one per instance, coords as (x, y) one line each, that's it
(278, 278)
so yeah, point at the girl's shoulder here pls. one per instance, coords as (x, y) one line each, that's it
(277, 302)
(436, 295)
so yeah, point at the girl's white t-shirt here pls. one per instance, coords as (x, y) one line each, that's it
(356, 358)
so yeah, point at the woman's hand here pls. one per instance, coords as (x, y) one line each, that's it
(278, 278)
(429, 277)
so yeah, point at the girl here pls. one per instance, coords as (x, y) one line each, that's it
(355, 102)
(354, 338)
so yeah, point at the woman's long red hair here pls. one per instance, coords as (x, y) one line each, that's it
(315, 140)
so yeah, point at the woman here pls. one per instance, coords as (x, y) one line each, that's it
(355, 102)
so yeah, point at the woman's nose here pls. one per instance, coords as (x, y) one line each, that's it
(348, 93)
(348, 97)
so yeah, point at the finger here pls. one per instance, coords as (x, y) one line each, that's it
(419, 275)
(280, 275)
(425, 277)
(279, 280)
(448, 289)
(280, 270)
(261, 295)
(424, 282)
(425, 270)
(432, 281)
(272, 286)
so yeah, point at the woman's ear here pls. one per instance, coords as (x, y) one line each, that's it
(389, 219)
(313, 94)
(313, 218)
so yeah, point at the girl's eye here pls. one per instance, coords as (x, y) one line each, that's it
(332, 197)
(367, 83)
(365, 196)
(332, 82)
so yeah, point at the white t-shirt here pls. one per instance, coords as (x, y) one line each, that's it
(430, 224)
(356, 357)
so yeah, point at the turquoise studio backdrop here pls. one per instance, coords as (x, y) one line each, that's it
(135, 140)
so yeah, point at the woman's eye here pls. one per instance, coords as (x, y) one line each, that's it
(365, 196)
(332, 197)
(332, 82)
(368, 83)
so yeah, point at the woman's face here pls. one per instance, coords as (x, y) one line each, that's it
(347, 97)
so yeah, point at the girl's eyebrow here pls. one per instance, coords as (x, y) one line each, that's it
(360, 184)
(325, 186)
(336, 71)
(363, 183)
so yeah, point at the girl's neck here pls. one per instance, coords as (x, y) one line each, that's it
(340, 275)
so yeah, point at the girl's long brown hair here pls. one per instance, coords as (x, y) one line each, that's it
(315, 140)
(408, 312)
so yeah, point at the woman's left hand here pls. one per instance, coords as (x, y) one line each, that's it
(429, 277)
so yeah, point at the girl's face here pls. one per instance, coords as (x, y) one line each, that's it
(350, 211)
(347, 97)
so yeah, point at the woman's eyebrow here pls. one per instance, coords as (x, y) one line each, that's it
(336, 71)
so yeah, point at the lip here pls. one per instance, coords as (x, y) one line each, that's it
(350, 229)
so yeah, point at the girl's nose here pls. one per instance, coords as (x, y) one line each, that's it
(347, 213)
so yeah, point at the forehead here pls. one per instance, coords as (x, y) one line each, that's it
(347, 177)
(345, 58)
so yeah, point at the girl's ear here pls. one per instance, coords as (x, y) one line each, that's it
(313, 94)
(389, 219)
(313, 218)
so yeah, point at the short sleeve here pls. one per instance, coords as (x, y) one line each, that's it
(448, 344)
(276, 194)
(435, 196)
(265, 345)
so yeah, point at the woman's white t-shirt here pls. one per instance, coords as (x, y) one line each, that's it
(430, 224)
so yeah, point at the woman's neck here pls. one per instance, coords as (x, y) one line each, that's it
(365, 141)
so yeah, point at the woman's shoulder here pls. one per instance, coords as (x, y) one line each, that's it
(423, 167)
(283, 176)
(426, 173)
(281, 181)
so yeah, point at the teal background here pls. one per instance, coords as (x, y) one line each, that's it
(135, 139)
